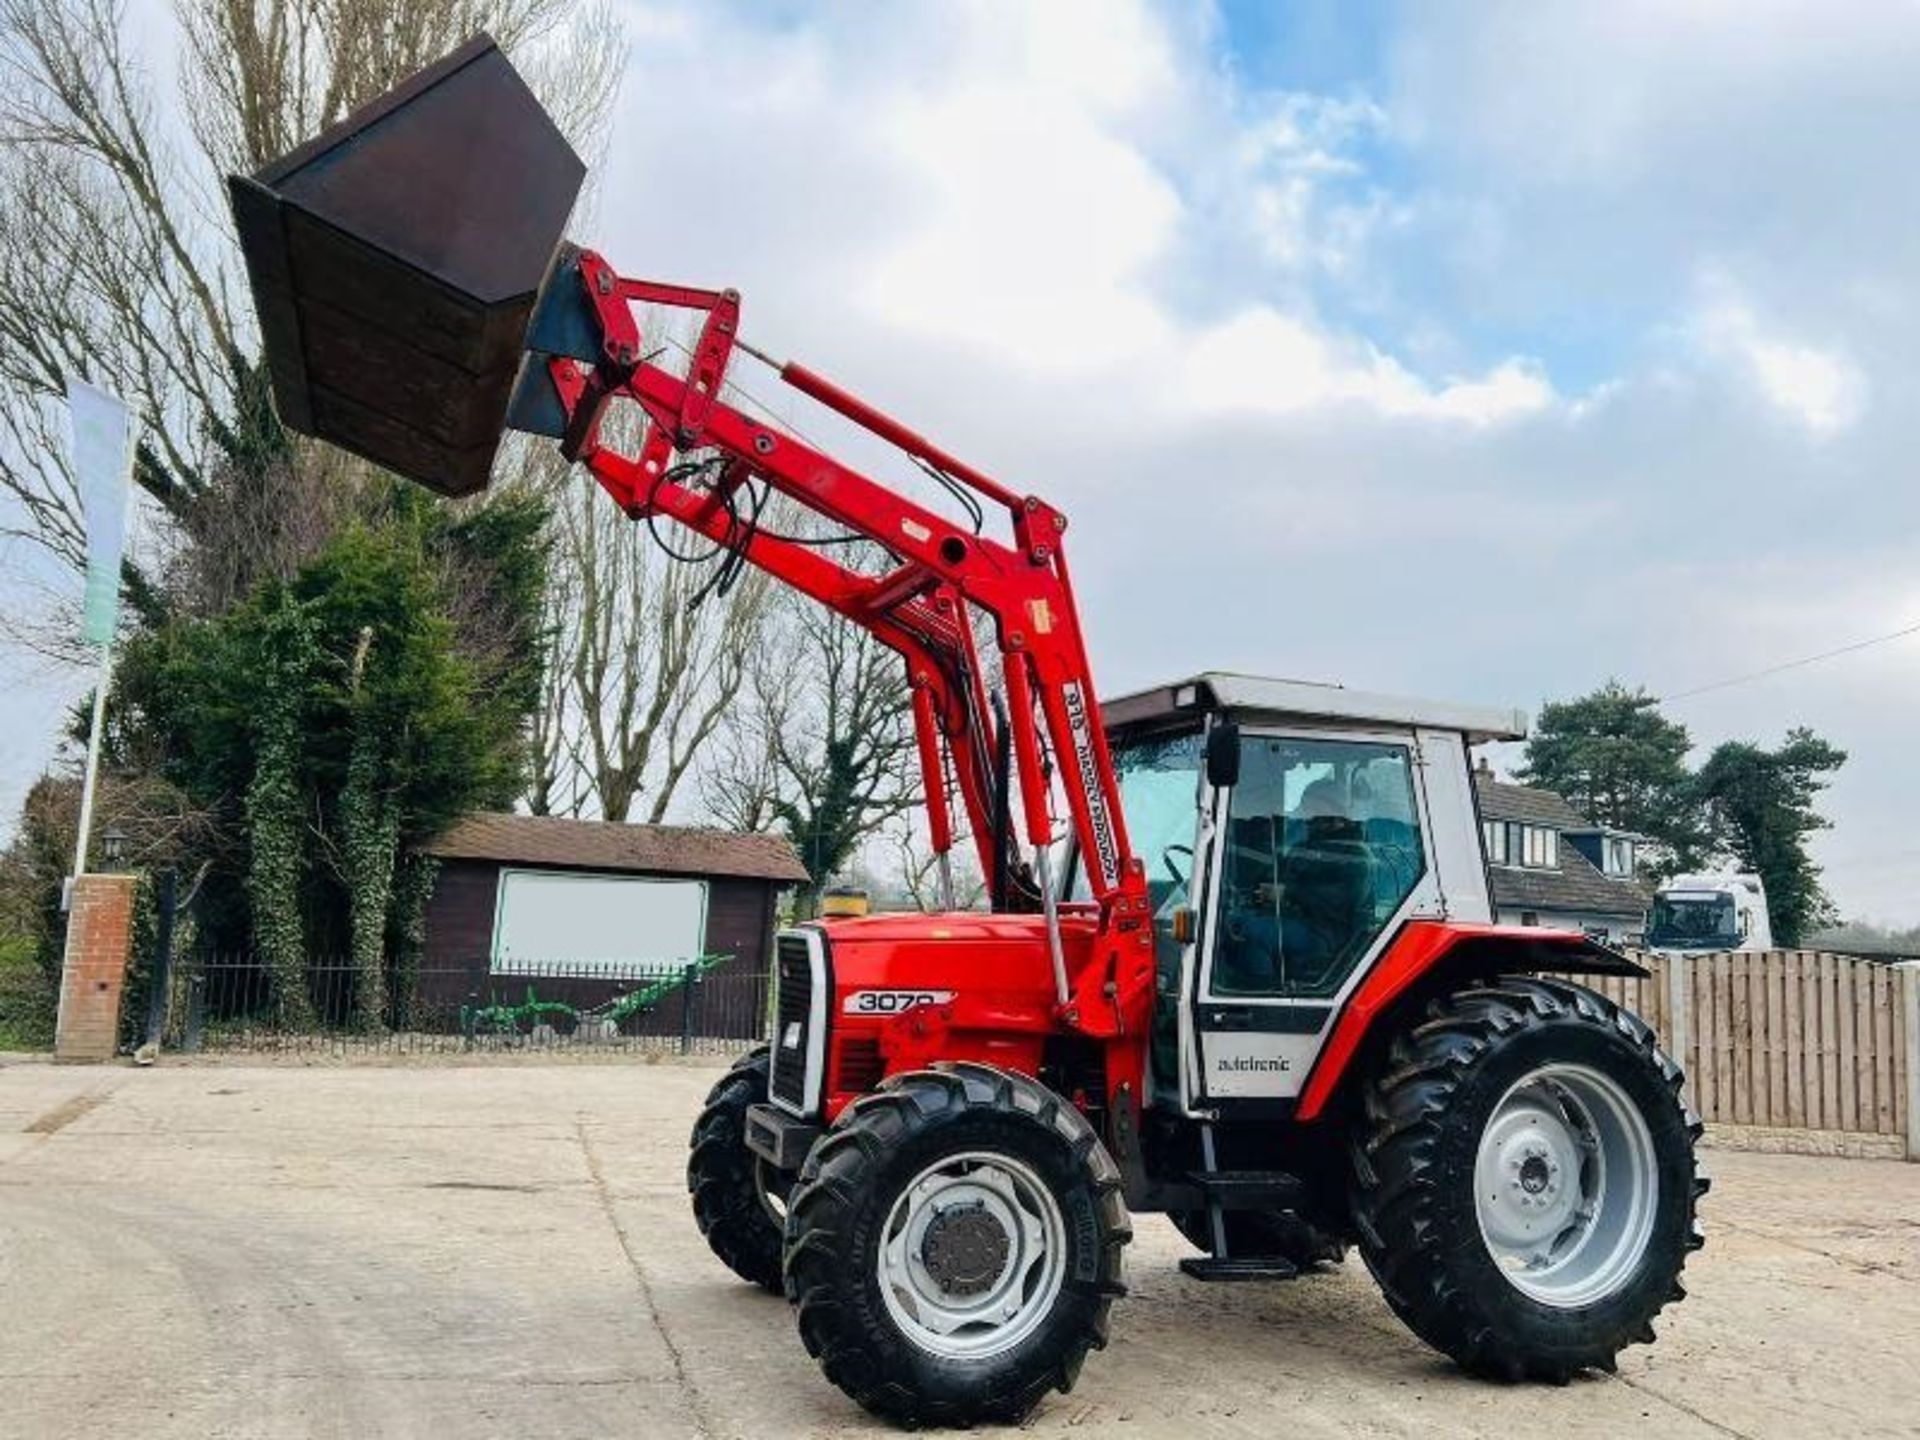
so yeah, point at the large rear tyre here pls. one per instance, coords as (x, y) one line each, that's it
(1263, 1232)
(1524, 1179)
(738, 1199)
(953, 1246)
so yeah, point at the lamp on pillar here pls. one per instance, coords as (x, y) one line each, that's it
(113, 848)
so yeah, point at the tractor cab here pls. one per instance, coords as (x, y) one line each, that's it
(1289, 831)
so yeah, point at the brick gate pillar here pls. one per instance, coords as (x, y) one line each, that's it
(99, 943)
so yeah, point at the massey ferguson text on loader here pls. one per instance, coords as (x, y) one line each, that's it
(1254, 985)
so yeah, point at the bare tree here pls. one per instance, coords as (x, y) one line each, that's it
(918, 869)
(646, 656)
(742, 783)
(100, 275)
(827, 743)
(268, 74)
(741, 789)
(117, 261)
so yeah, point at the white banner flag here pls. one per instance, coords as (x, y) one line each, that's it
(102, 469)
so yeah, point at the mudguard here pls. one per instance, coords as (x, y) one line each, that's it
(1425, 950)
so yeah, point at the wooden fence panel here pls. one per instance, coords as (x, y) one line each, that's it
(1731, 971)
(1908, 1091)
(1805, 1032)
(1884, 997)
(1827, 976)
(1906, 1050)
(1843, 1027)
(1863, 1046)
(1706, 1054)
(1777, 1038)
(1785, 1039)
(1795, 1051)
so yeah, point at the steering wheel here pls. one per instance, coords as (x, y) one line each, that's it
(1166, 863)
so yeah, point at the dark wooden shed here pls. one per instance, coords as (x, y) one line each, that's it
(581, 905)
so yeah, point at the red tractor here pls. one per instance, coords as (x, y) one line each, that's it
(1239, 966)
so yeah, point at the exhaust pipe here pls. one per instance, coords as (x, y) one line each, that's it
(396, 260)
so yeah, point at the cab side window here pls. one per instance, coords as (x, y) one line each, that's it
(1323, 847)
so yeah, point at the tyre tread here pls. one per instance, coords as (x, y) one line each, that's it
(1395, 1164)
(720, 1176)
(837, 1175)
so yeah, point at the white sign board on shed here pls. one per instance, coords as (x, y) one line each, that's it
(596, 922)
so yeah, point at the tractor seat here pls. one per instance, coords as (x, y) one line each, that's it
(1326, 911)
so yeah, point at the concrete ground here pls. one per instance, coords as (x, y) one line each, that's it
(442, 1250)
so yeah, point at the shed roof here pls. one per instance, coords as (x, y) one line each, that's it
(612, 845)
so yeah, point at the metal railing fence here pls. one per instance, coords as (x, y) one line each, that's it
(705, 1005)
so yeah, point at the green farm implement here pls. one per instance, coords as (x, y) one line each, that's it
(501, 1017)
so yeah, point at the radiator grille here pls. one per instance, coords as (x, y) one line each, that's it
(794, 973)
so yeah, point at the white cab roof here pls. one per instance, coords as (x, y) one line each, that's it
(1310, 700)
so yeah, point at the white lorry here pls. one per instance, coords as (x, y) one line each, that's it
(1710, 912)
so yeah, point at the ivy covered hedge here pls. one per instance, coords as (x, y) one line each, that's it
(336, 719)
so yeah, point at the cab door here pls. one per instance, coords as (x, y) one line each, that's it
(1320, 855)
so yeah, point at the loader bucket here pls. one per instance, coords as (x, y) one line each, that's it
(395, 261)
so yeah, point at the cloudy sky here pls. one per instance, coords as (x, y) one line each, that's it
(1485, 351)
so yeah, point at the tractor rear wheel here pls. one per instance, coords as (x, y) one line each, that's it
(953, 1245)
(1524, 1179)
(738, 1199)
(1263, 1232)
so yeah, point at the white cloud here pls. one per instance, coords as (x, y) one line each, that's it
(1079, 194)
(1115, 58)
(1035, 231)
(1281, 164)
(1819, 386)
(1618, 94)
(1821, 389)
(1265, 361)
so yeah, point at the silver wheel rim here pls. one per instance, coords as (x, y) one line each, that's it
(973, 1256)
(1566, 1186)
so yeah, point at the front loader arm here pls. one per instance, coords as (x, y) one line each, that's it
(919, 607)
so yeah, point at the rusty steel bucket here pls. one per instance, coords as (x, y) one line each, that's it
(396, 260)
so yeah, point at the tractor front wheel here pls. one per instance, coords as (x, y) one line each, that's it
(953, 1246)
(1524, 1179)
(738, 1199)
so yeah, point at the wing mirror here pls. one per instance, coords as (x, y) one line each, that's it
(1223, 752)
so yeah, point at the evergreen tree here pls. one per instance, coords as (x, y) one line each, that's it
(1615, 758)
(1760, 805)
(342, 717)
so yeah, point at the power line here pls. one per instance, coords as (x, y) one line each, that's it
(1732, 680)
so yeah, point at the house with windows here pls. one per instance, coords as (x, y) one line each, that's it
(1550, 865)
